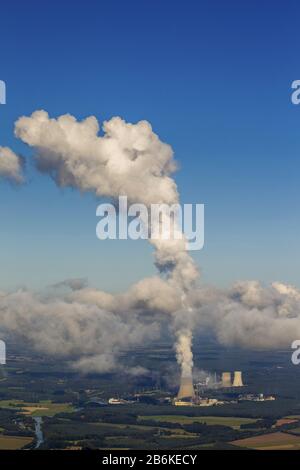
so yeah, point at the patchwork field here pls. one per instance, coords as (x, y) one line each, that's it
(105, 429)
(14, 442)
(295, 431)
(42, 408)
(283, 421)
(272, 441)
(232, 422)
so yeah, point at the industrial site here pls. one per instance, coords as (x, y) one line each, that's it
(228, 390)
(46, 405)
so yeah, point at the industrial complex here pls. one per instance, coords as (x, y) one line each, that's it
(229, 388)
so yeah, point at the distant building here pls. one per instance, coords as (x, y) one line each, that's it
(183, 403)
(116, 401)
(259, 397)
(208, 402)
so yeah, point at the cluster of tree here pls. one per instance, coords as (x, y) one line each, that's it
(265, 423)
(15, 424)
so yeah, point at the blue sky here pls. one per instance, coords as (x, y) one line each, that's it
(212, 77)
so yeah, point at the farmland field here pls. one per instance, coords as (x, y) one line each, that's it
(42, 408)
(272, 441)
(177, 431)
(232, 422)
(295, 430)
(283, 421)
(14, 442)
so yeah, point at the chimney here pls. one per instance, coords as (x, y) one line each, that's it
(238, 381)
(186, 389)
(226, 379)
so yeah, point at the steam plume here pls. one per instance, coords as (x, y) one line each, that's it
(128, 159)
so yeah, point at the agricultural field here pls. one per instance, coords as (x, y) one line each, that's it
(109, 429)
(295, 431)
(116, 435)
(14, 442)
(232, 422)
(284, 421)
(42, 408)
(176, 431)
(272, 441)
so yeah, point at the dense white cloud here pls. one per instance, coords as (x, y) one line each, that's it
(10, 165)
(88, 335)
(250, 315)
(91, 328)
(129, 159)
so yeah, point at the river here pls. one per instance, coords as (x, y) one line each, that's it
(38, 431)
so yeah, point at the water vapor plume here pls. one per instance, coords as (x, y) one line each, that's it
(124, 159)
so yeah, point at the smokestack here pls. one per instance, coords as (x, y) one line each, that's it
(186, 389)
(226, 379)
(238, 381)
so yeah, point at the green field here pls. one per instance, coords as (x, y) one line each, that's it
(42, 408)
(137, 427)
(14, 442)
(232, 422)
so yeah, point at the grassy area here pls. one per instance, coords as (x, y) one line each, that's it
(42, 408)
(124, 442)
(161, 442)
(14, 442)
(272, 441)
(138, 427)
(232, 422)
(201, 446)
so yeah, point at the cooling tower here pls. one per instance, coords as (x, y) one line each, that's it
(186, 389)
(226, 379)
(237, 381)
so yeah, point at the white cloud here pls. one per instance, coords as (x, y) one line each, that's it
(10, 165)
